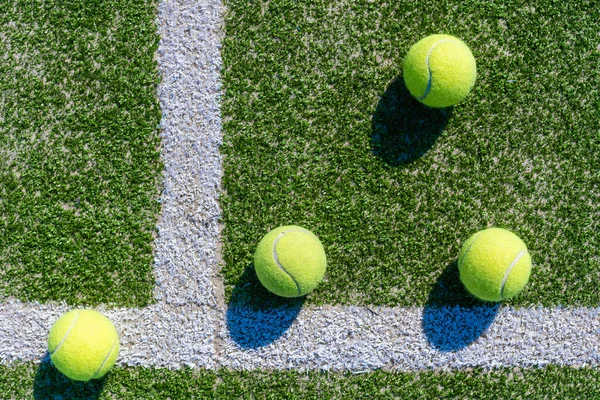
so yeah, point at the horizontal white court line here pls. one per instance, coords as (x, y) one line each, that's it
(409, 339)
(326, 338)
(158, 336)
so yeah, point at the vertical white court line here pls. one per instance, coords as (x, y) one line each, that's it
(189, 63)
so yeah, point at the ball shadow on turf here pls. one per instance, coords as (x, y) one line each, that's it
(403, 129)
(256, 317)
(50, 383)
(453, 318)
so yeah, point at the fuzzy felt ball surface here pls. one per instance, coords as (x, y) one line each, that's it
(439, 70)
(290, 261)
(83, 344)
(494, 264)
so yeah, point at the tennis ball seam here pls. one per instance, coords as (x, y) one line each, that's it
(80, 344)
(430, 78)
(468, 249)
(64, 339)
(115, 341)
(512, 265)
(276, 258)
(509, 269)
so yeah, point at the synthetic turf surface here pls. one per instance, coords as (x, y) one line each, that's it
(321, 132)
(23, 380)
(79, 151)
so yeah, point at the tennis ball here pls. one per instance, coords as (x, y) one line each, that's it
(439, 70)
(494, 264)
(83, 344)
(290, 261)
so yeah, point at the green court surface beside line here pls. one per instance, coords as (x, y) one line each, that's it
(44, 382)
(79, 151)
(320, 131)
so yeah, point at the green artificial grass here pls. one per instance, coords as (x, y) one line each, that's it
(32, 381)
(79, 150)
(320, 131)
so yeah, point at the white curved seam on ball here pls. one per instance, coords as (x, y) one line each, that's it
(460, 260)
(115, 341)
(66, 334)
(430, 79)
(276, 258)
(507, 273)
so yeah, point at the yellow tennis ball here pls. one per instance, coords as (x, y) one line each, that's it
(494, 264)
(290, 261)
(83, 344)
(439, 70)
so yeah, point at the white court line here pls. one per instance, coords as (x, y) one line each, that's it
(188, 327)
(189, 62)
(354, 338)
(329, 338)
(162, 336)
